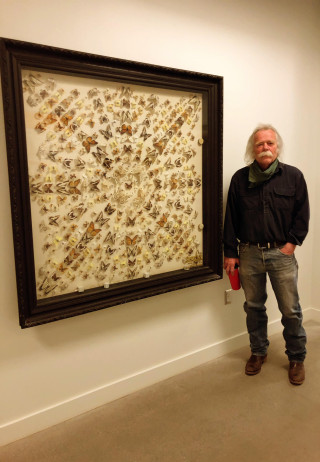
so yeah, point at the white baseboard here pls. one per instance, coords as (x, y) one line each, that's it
(60, 412)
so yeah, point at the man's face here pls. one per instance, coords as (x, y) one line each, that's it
(265, 148)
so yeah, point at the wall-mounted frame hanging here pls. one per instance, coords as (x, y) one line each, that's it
(115, 172)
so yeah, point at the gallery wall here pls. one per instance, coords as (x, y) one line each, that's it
(268, 54)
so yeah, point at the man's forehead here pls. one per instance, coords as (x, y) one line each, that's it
(265, 134)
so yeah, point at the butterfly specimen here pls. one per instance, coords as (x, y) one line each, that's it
(107, 133)
(131, 251)
(131, 273)
(154, 213)
(93, 92)
(109, 209)
(46, 287)
(71, 257)
(151, 157)
(97, 104)
(101, 220)
(162, 221)
(110, 237)
(104, 266)
(148, 206)
(54, 220)
(47, 188)
(107, 163)
(130, 221)
(89, 234)
(131, 241)
(178, 205)
(88, 143)
(109, 250)
(94, 185)
(126, 129)
(65, 119)
(73, 186)
(144, 134)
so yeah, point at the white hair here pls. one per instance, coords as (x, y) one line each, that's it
(249, 154)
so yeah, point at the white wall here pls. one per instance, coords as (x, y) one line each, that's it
(268, 53)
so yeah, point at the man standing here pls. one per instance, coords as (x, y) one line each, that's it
(267, 215)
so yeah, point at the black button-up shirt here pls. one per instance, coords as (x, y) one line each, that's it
(275, 211)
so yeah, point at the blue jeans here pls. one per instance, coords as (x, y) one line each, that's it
(283, 273)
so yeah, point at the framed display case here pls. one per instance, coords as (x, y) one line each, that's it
(115, 172)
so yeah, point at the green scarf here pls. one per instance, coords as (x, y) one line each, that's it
(258, 176)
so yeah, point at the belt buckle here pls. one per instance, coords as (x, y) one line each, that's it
(268, 246)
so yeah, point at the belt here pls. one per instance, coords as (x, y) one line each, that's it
(265, 245)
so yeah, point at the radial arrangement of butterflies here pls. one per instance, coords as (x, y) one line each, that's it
(115, 181)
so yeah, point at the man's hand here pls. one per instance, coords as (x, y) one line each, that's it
(229, 264)
(288, 248)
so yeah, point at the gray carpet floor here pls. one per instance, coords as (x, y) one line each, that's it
(212, 413)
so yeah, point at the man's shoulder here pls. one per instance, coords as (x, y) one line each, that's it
(242, 172)
(290, 169)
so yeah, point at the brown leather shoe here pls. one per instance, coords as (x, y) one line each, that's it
(254, 364)
(296, 373)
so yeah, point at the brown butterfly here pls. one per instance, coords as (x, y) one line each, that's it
(94, 185)
(88, 143)
(107, 133)
(110, 237)
(73, 187)
(104, 266)
(109, 250)
(144, 134)
(47, 188)
(131, 273)
(54, 220)
(107, 163)
(101, 220)
(149, 233)
(131, 262)
(130, 221)
(148, 206)
(131, 252)
(46, 287)
(109, 209)
(154, 213)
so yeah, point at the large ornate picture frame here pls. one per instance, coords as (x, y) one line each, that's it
(115, 172)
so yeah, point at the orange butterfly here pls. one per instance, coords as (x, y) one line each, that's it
(126, 129)
(88, 142)
(91, 232)
(88, 236)
(66, 118)
(131, 241)
(163, 221)
(50, 119)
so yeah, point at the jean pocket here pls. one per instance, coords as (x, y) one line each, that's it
(284, 254)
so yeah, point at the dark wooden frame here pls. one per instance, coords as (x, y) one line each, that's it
(16, 55)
